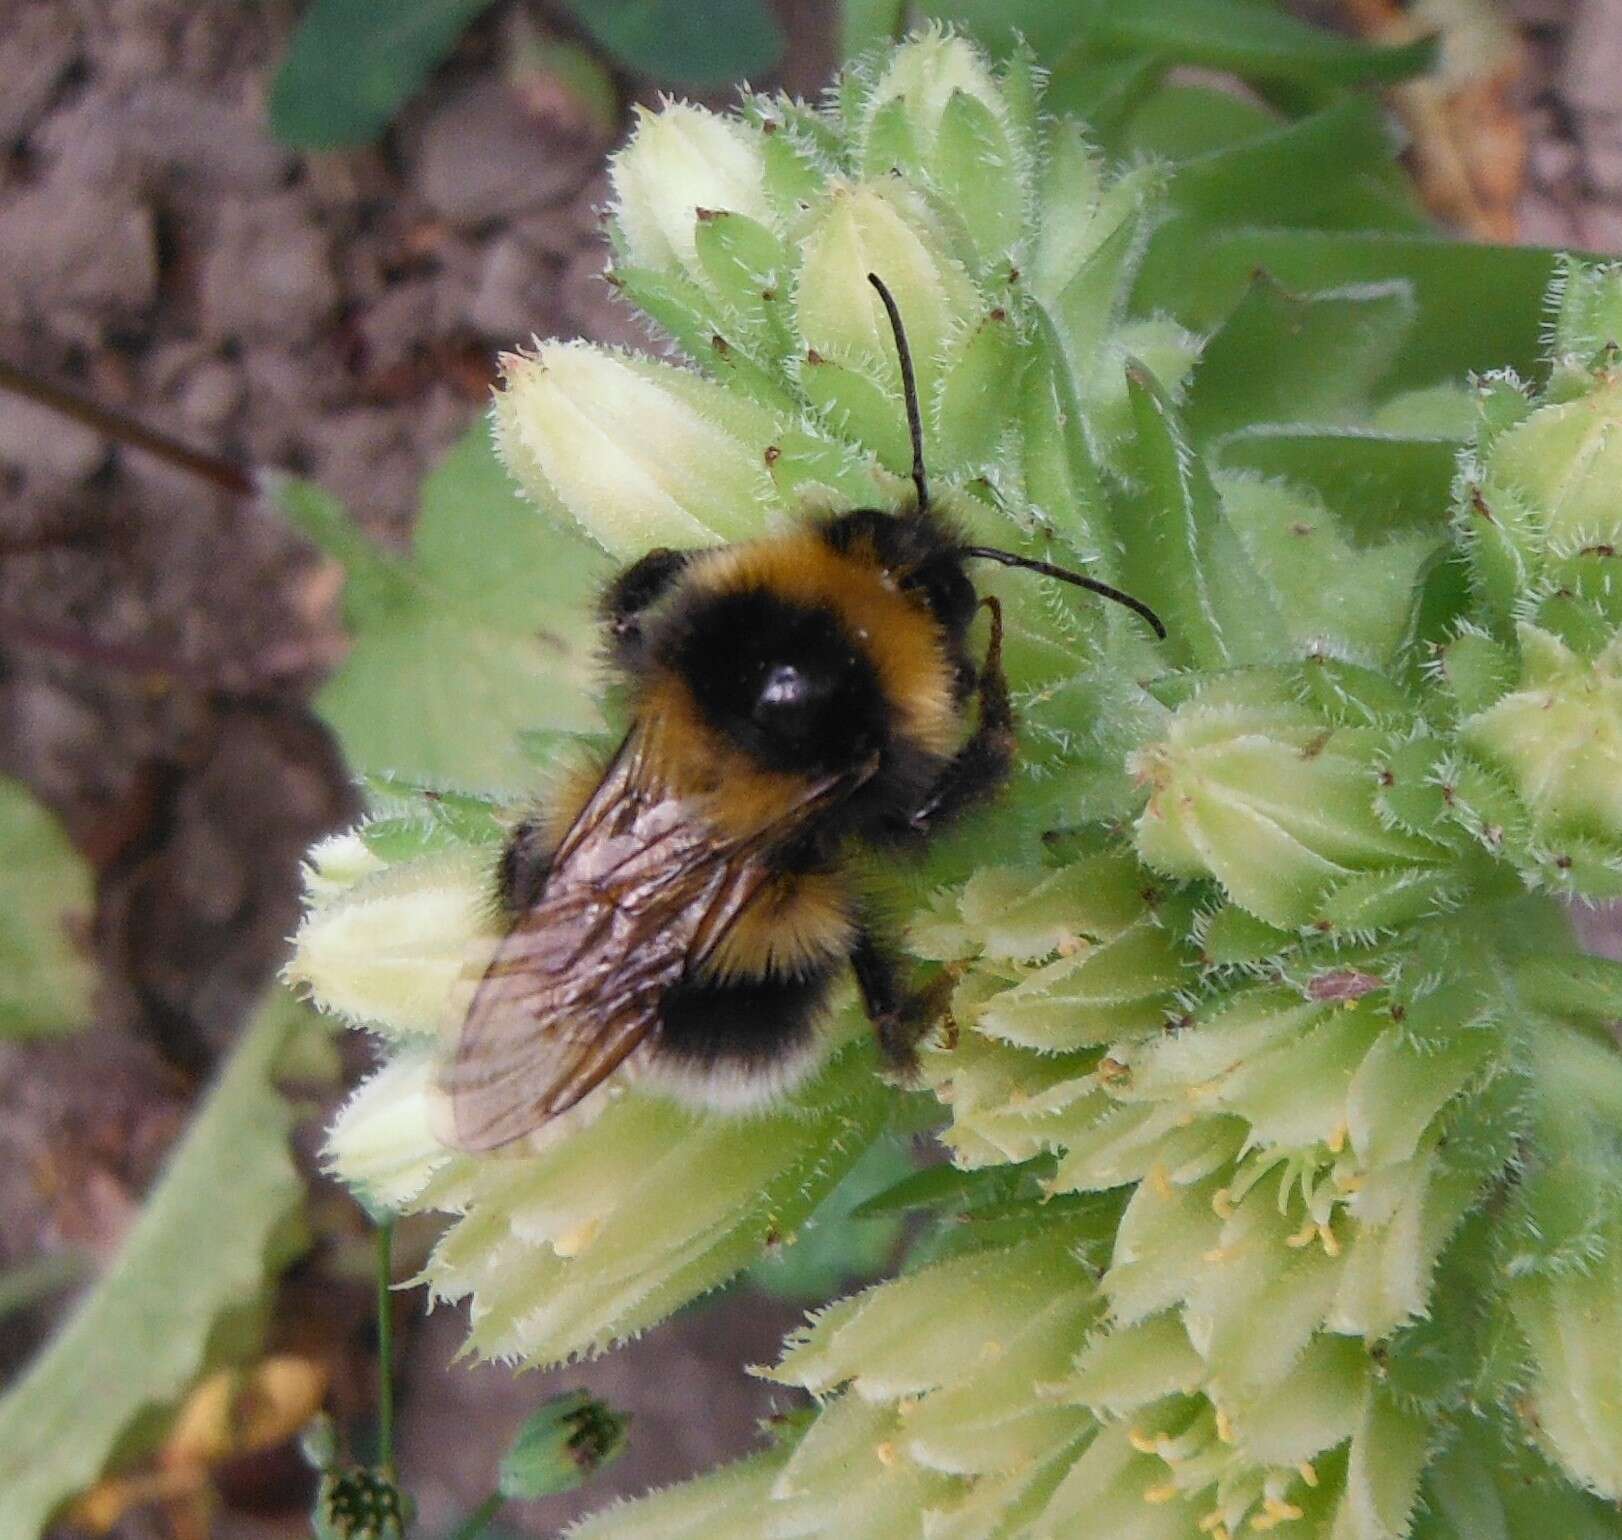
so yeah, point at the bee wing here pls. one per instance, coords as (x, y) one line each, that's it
(641, 888)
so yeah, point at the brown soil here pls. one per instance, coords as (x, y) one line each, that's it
(337, 315)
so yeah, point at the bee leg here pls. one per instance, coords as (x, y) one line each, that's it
(901, 1017)
(982, 765)
(521, 873)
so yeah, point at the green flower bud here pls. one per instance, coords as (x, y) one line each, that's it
(922, 79)
(884, 228)
(559, 1446)
(679, 160)
(1570, 1322)
(937, 114)
(387, 946)
(1562, 463)
(1557, 736)
(1090, 235)
(637, 453)
(1587, 302)
(1538, 508)
(382, 1143)
(361, 1504)
(1270, 801)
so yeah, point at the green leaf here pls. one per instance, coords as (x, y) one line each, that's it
(1061, 476)
(1104, 91)
(1189, 123)
(1295, 173)
(712, 44)
(829, 1252)
(682, 309)
(865, 24)
(46, 977)
(1491, 1485)
(485, 631)
(1185, 560)
(946, 1186)
(1254, 41)
(353, 63)
(1376, 484)
(1048, 28)
(222, 1221)
(1479, 308)
(1322, 585)
(1572, 984)
(1298, 358)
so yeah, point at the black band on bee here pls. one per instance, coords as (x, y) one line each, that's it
(743, 1024)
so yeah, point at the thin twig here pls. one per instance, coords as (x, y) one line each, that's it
(224, 474)
(122, 657)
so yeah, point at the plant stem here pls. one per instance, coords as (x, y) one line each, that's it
(385, 1346)
(478, 1521)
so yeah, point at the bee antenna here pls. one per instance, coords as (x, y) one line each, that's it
(909, 392)
(116, 425)
(1047, 569)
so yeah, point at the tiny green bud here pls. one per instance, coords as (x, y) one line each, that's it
(1587, 300)
(361, 1504)
(937, 114)
(1558, 737)
(926, 74)
(1564, 461)
(680, 160)
(567, 1440)
(1538, 509)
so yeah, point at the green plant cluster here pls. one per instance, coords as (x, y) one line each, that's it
(1282, 1108)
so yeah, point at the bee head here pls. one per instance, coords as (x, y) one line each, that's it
(783, 680)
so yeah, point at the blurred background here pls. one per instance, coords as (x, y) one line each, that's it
(298, 243)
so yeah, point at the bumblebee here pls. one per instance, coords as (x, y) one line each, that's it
(688, 909)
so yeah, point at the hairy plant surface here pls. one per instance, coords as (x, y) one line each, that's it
(1286, 1188)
